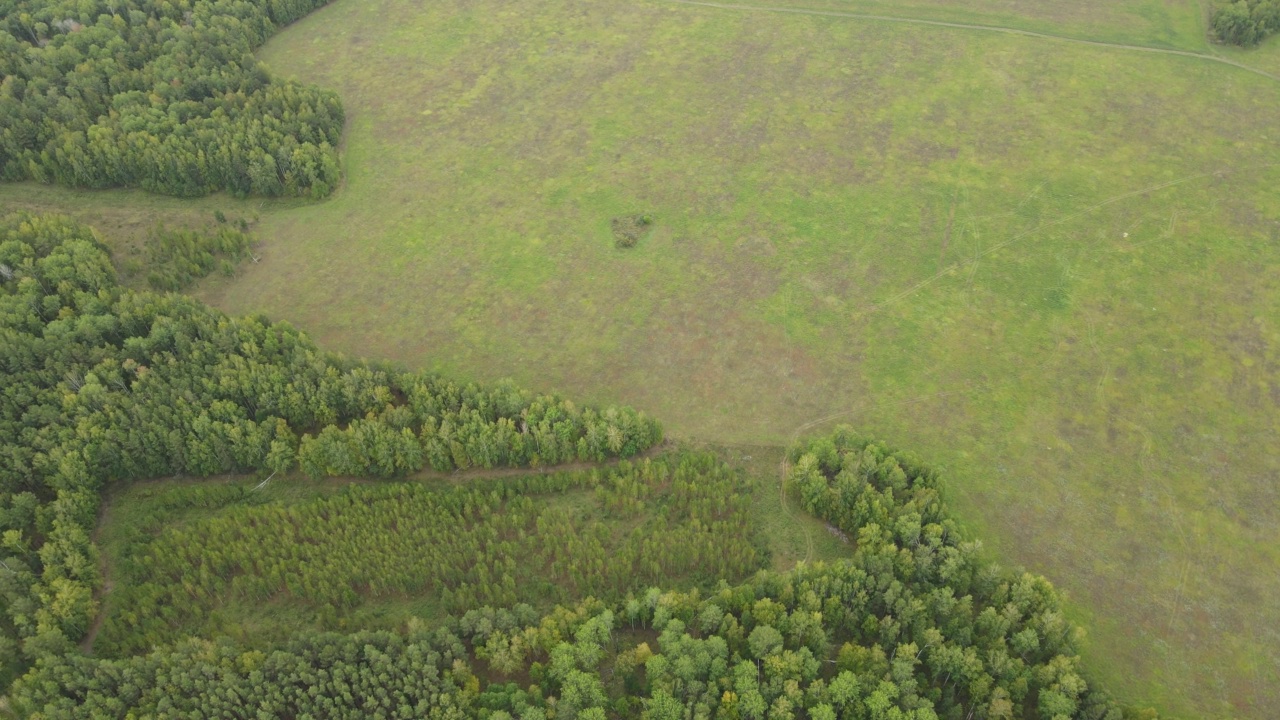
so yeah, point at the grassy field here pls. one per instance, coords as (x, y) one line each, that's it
(1049, 267)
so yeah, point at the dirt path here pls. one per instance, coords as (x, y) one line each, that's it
(104, 570)
(982, 28)
(86, 645)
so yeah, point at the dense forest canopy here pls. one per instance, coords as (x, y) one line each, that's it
(914, 625)
(1246, 22)
(165, 96)
(102, 385)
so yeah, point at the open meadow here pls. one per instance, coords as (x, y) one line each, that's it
(1048, 266)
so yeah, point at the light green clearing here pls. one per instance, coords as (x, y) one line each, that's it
(1049, 267)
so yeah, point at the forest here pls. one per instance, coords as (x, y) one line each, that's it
(495, 543)
(103, 384)
(544, 615)
(209, 514)
(916, 624)
(165, 96)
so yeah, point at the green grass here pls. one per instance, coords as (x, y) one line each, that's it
(1046, 266)
(1177, 24)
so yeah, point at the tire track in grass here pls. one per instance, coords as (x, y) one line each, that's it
(981, 28)
(784, 467)
(1019, 237)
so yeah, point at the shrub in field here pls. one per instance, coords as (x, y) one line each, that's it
(628, 229)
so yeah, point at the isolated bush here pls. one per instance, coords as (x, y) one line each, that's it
(628, 229)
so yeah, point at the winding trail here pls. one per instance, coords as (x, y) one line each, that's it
(981, 28)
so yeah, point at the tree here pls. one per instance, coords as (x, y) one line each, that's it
(1246, 22)
(764, 641)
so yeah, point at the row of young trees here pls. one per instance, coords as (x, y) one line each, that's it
(161, 95)
(913, 626)
(499, 543)
(406, 438)
(100, 384)
(173, 259)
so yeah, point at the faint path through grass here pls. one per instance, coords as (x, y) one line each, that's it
(978, 256)
(784, 467)
(985, 28)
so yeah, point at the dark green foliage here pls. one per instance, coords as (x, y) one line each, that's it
(163, 96)
(488, 543)
(99, 384)
(366, 675)
(628, 229)
(1246, 22)
(854, 483)
(913, 626)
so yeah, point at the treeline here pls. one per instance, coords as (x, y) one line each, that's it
(1246, 22)
(165, 96)
(916, 625)
(860, 485)
(99, 384)
(497, 543)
